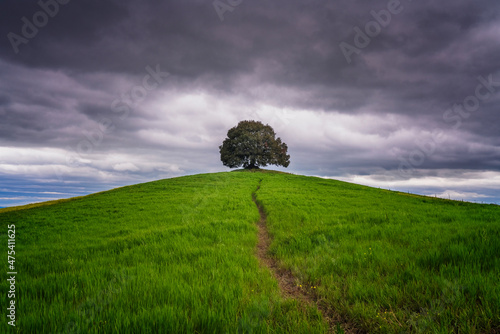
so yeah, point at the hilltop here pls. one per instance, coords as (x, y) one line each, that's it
(255, 252)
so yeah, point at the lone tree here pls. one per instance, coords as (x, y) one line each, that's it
(252, 144)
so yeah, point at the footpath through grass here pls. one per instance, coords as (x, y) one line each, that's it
(178, 256)
(173, 256)
(389, 262)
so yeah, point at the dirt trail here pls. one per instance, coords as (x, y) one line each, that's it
(290, 286)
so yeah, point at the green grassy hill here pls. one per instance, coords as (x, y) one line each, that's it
(179, 256)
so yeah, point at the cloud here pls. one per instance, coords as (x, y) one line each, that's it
(279, 62)
(126, 166)
(456, 195)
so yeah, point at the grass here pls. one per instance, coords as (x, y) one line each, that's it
(388, 261)
(173, 256)
(178, 256)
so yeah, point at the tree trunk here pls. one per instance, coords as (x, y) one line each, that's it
(252, 166)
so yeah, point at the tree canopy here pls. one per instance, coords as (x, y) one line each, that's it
(252, 144)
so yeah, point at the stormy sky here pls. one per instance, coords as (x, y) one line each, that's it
(97, 94)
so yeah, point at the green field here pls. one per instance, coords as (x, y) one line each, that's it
(179, 256)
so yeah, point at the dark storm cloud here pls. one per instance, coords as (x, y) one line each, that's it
(71, 39)
(266, 58)
(294, 43)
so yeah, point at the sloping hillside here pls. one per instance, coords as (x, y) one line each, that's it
(180, 256)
